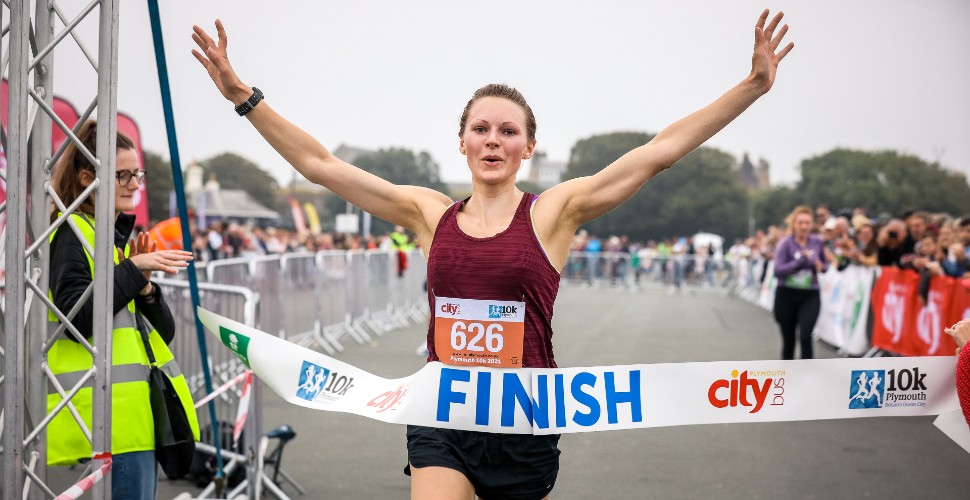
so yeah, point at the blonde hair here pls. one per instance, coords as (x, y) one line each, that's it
(800, 209)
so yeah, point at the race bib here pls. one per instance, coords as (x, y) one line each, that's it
(471, 332)
(801, 280)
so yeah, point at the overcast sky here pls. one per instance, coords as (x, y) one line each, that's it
(888, 74)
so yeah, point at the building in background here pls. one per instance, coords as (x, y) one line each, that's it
(212, 203)
(544, 172)
(754, 177)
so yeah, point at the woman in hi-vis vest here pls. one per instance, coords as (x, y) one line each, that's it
(133, 471)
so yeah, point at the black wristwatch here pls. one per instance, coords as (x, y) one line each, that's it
(250, 103)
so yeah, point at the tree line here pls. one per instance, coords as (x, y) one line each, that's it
(702, 192)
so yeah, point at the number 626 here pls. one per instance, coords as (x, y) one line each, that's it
(493, 340)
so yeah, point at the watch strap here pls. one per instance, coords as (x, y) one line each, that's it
(250, 103)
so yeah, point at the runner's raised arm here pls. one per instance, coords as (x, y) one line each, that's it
(415, 208)
(565, 207)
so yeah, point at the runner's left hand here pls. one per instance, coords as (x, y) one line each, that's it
(215, 59)
(764, 62)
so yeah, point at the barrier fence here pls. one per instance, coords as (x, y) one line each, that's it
(623, 269)
(871, 311)
(241, 303)
(865, 310)
(318, 299)
(314, 300)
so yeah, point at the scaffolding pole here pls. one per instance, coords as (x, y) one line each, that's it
(18, 131)
(25, 325)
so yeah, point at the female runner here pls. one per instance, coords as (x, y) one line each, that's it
(500, 244)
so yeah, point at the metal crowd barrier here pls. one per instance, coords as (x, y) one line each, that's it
(297, 297)
(317, 300)
(617, 269)
(330, 286)
(233, 272)
(235, 302)
(265, 279)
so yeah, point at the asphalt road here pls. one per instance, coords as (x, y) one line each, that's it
(339, 456)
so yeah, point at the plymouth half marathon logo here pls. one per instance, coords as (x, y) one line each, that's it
(887, 388)
(237, 343)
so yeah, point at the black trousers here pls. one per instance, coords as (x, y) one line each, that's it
(796, 310)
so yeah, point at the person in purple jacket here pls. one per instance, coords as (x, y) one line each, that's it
(798, 260)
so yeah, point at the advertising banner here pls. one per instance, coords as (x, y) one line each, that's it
(828, 328)
(909, 324)
(894, 304)
(845, 297)
(584, 399)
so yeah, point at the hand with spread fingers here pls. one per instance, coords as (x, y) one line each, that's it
(767, 39)
(960, 332)
(147, 259)
(143, 244)
(215, 60)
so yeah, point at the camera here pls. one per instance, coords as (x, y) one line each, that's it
(894, 234)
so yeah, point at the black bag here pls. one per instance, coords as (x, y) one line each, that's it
(174, 442)
(204, 465)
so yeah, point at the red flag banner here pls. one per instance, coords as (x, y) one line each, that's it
(893, 306)
(931, 319)
(908, 325)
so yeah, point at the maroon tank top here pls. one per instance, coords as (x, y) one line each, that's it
(510, 265)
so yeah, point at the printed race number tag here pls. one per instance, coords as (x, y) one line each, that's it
(473, 332)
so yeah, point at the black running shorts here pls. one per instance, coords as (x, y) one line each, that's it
(499, 466)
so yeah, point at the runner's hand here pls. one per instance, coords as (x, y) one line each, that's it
(960, 332)
(764, 62)
(215, 60)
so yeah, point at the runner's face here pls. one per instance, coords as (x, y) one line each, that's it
(802, 225)
(495, 140)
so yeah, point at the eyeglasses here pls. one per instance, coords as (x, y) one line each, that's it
(125, 176)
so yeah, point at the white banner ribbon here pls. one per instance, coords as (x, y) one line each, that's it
(567, 400)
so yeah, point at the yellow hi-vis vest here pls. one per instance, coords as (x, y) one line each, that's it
(132, 425)
(399, 241)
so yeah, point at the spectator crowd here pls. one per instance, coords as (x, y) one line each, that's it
(226, 240)
(929, 243)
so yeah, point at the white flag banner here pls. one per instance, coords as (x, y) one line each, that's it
(844, 309)
(766, 299)
(857, 293)
(828, 328)
(568, 400)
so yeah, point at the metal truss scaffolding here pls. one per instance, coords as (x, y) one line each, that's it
(28, 65)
